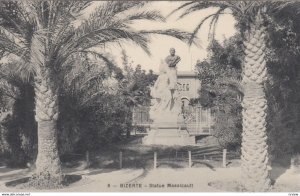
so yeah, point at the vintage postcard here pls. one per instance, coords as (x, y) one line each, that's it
(149, 96)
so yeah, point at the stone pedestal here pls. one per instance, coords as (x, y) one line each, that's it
(164, 129)
(168, 137)
(165, 111)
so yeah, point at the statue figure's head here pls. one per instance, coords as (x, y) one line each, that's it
(172, 51)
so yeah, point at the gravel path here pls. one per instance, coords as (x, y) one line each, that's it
(160, 179)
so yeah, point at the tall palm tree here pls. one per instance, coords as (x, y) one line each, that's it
(252, 18)
(46, 35)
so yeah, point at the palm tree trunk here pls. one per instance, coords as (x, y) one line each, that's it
(255, 174)
(47, 163)
(48, 169)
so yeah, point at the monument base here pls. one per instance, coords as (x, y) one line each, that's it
(168, 136)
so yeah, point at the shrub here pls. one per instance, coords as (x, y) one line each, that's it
(221, 91)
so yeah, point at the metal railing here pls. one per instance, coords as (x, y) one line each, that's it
(197, 121)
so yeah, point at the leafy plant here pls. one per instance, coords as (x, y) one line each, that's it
(221, 90)
(18, 128)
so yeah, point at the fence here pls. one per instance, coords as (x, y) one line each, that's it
(162, 158)
(176, 159)
(140, 116)
(197, 121)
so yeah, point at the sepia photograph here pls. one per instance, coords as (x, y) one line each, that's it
(149, 96)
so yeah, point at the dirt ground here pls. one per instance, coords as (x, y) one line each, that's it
(200, 179)
(172, 174)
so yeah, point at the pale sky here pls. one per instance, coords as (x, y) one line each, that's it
(160, 44)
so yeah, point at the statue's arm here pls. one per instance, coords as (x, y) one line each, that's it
(177, 60)
(173, 61)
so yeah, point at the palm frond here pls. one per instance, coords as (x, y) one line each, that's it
(276, 7)
(101, 37)
(10, 20)
(94, 32)
(178, 34)
(10, 47)
(109, 28)
(232, 83)
(10, 78)
(203, 5)
(181, 7)
(145, 15)
(25, 71)
(86, 82)
(106, 35)
(110, 64)
(104, 17)
(7, 89)
(214, 21)
(16, 73)
(196, 30)
(243, 11)
(11, 43)
(142, 42)
(108, 10)
(6, 32)
(76, 7)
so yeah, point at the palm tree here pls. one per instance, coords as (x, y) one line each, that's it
(252, 18)
(46, 35)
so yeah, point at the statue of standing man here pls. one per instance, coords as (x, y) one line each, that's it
(172, 61)
(165, 106)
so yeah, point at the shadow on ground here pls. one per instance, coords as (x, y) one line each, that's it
(279, 167)
(68, 180)
(141, 156)
(10, 174)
